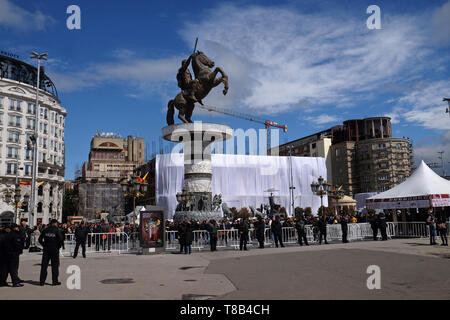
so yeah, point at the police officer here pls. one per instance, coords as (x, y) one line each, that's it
(260, 228)
(14, 248)
(322, 226)
(243, 234)
(382, 225)
(212, 228)
(301, 232)
(3, 257)
(344, 228)
(81, 233)
(277, 230)
(51, 240)
(374, 225)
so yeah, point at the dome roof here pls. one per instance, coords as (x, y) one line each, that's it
(20, 71)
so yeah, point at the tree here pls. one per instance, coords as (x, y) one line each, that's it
(243, 213)
(308, 212)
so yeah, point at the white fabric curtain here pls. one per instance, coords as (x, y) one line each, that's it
(243, 180)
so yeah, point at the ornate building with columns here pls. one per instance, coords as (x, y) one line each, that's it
(17, 126)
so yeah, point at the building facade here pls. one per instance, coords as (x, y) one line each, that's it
(17, 126)
(113, 158)
(361, 155)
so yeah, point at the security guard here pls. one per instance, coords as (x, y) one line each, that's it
(81, 233)
(344, 228)
(14, 248)
(3, 259)
(51, 240)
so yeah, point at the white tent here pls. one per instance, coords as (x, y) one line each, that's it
(243, 179)
(423, 189)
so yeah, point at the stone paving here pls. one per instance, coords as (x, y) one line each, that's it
(410, 269)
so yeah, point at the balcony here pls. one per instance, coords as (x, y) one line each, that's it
(12, 140)
(13, 156)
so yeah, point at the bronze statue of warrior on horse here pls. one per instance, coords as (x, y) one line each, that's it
(194, 90)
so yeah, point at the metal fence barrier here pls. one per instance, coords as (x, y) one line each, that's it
(121, 242)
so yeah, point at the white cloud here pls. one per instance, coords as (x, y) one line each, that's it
(423, 105)
(279, 59)
(428, 149)
(148, 74)
(322, 119)
(441, 24)
(13, 16)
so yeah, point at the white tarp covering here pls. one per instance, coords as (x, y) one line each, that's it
(423, 189)
(242, 180)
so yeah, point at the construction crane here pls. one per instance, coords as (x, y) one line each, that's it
(267, 123)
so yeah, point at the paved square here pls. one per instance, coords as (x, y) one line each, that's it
(410, 269)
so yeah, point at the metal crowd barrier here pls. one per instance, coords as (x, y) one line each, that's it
(102, 243)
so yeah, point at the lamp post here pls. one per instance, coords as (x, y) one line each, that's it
(321, 188)
(336, 194)
(132, 188)
(34, 139)
(291, 186)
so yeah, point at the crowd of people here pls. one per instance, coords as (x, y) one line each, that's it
(14, 239)
(185, 230)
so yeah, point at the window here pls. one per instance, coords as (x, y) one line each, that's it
(14, 121)
(11, 168)
(28, 170)
(39, 207)
(13, 153)
(13, 137)
(28, 154)
(31, 108)
(383, 177)
(45, 128)
(31, 123)
(45, 143)
(1, 102)
(313, 146)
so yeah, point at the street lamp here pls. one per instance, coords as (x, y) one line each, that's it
(132, 188)
(38, 57)
(321, 188)
(291, 184)
(336, 194)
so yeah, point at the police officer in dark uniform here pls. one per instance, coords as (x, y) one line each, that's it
(3, 257)
(382, 225)
(51, 240)
(374, 225)
(14, 248)
(81, 233)
(344, 228)
(322, 226)
(243, 234)
(301, 232)
(260, 228)
(277, 231)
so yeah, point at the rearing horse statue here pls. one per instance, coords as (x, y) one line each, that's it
(205, 80)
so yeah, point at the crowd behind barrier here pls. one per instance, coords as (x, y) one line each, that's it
(124, 238)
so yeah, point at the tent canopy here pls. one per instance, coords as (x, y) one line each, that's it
(423, 189)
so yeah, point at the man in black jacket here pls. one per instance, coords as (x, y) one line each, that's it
(260, 228)
(301, 232)
(277, 231)
(81, 233)
(14, 248)
(344, 227)
(51, 240)
(383, 226)
(322, 225)
(374, 225)
(3, 257)
(212, 228)
(243, 234)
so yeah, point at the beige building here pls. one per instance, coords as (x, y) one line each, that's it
(113, 158)
(316, 145)
(361, 155)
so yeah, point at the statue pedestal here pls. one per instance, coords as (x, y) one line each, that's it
(195, 201)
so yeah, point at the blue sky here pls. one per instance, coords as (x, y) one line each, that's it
(307, 64)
